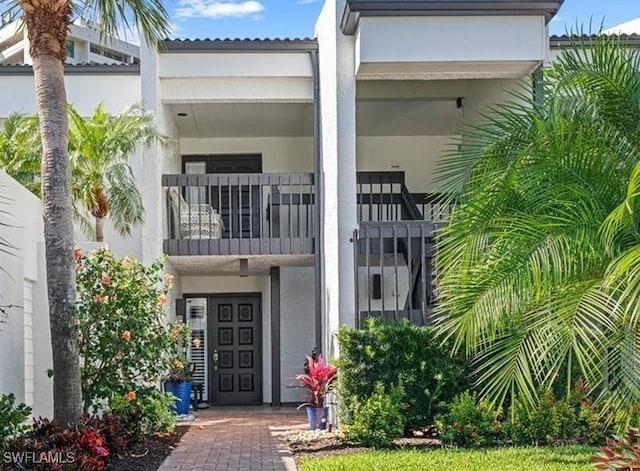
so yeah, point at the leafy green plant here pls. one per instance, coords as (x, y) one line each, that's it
(471, 423)
(378, 419)
(144, 412)
(125, 342)
(398, 354)
(622, 453)
(538, 264)
(573, 417)
(12, 418)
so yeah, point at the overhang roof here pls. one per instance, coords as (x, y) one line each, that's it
(564, 40)
(76, 69)
(354, 9)
(239, 45)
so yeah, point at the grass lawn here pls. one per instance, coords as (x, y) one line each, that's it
(575, 458)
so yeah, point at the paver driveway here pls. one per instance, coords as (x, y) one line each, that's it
(237, 439)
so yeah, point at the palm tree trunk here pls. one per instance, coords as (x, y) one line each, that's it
(99, 229)
(47, 24)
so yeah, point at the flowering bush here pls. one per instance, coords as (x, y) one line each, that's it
(318, 380)
(125, 342)
(180, 369)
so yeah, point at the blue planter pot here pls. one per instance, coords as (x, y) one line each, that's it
(182, 392)
(317, 417)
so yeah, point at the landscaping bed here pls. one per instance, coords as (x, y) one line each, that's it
(317, 444)
(149, 453)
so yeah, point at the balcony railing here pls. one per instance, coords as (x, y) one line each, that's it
(383, 196)
(239, 214)
(394, 277)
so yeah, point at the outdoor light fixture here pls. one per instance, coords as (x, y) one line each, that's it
(244, 267)
(459, 102)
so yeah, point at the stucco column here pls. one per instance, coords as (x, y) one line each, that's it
(338, 118)
(150, 183)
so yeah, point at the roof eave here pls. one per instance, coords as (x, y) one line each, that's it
(557, 42)
(76, 69)
(238, 45)
(355, 9)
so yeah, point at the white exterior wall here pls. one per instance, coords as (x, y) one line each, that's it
(450, 47)
(297, 328)
(25, 345)
(279, 154)
(338, 91)
(451, 39)
(85, 92)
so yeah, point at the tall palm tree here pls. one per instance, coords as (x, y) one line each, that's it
(47, 23)
(103, 183)
(539, 266)
(101, 179)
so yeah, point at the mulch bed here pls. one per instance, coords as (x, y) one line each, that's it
(149, 453)
(318, 445)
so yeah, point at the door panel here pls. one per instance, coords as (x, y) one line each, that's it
(239, 206)
(235, 375)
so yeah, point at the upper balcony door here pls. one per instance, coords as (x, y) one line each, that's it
(239, 205)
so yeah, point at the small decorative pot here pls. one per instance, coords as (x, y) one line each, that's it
(317, 417)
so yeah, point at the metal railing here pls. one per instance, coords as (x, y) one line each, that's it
(394, 271)
(229, 214)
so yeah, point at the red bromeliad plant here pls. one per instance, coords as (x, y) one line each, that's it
(319, 380)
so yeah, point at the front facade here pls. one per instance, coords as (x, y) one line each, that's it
(298, 193)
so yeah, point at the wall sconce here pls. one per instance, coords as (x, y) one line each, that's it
(244, 267)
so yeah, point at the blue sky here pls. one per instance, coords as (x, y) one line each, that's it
(296, 18)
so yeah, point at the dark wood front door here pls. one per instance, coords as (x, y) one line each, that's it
(239, 205)
(235, 366)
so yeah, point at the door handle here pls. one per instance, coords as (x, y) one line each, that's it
(215, 360)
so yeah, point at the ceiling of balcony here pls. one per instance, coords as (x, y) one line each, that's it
(243, 119)
(375, 116)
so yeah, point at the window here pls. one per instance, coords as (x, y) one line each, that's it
(71, 49)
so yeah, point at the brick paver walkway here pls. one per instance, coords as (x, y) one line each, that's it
(237, 439)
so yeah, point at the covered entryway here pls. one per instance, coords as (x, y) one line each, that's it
(228, 356)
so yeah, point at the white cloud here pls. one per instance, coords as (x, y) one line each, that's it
(305, 2)
(217, 8)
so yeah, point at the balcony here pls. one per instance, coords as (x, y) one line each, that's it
(239, 214)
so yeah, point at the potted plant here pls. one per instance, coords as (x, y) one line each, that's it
(178, 380)
(318, 379)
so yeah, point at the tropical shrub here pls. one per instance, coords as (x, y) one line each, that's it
(573, 417)
(537, 268)
(125, 342)
(378, 419)
(471, 422)
(398, 355)
(12, 418)
(318, 380)
(145, 411)
(78, 447)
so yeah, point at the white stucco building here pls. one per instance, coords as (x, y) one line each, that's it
(316, 155)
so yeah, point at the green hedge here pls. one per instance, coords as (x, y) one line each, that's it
(398, 355)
